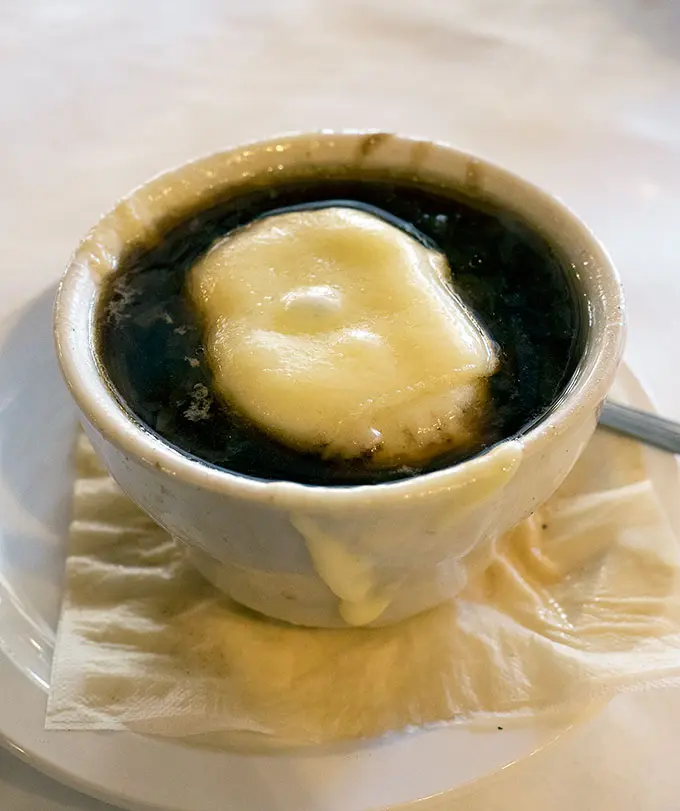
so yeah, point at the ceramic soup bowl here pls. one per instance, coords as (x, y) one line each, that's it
(333, 556)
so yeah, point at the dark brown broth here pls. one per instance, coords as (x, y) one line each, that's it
(151, 344)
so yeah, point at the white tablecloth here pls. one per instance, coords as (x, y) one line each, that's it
(582, 97)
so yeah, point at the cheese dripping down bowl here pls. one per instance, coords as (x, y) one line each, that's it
(374, 551)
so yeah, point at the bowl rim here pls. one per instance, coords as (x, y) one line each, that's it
(99, 251)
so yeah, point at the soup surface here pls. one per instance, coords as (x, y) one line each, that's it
(151, 336)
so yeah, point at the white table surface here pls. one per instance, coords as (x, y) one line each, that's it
(581, 96)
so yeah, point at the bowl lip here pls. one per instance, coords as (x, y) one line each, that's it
(77, 296)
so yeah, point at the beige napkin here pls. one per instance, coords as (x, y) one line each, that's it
(581, 600)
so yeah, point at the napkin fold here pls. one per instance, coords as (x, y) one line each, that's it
(580, 601)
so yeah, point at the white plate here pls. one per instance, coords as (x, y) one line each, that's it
(37, 424)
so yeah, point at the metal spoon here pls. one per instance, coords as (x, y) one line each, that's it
(641, 425)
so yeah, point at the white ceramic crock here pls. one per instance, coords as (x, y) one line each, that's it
(327, 556)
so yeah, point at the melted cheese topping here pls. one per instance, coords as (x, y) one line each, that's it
(348, 574)
(336, 332)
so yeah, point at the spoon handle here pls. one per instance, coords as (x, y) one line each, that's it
(648, 428)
